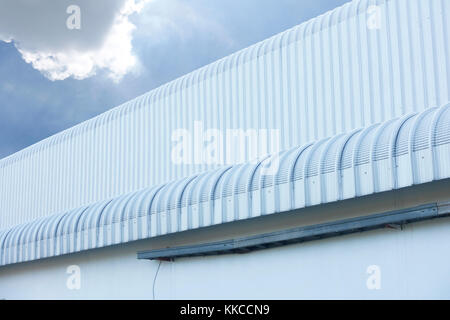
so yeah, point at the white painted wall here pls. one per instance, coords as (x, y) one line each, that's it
(413, 262)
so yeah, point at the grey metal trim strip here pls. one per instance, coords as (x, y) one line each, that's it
(302, 234)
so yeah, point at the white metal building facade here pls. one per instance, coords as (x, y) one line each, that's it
(363, 113)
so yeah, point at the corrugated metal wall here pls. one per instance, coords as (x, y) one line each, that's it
(326, 76)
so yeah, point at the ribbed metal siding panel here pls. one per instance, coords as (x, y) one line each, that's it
(309, 175)
(329, 75)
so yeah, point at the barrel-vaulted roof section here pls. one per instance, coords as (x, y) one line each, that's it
(406, 151)
(255, 51)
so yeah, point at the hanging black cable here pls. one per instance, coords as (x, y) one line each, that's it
(154, 280)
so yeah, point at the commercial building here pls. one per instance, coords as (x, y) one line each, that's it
(357, 207)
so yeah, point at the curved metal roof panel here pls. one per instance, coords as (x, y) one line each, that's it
(406, 151)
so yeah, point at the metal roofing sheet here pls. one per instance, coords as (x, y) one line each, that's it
(329, 75)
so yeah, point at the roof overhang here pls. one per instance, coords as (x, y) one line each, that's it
(411, 150)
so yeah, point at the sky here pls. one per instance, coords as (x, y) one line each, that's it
(66, 61)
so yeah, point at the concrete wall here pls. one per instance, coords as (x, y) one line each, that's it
(412, 262)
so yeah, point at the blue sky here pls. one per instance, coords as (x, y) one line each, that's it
(170, 38)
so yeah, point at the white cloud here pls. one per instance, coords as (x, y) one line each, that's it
(39, 32)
